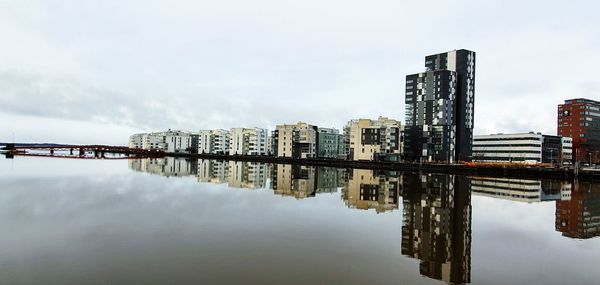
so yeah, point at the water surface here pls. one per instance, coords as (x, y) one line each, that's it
(177, 221)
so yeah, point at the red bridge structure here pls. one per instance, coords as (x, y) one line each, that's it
(81, 151)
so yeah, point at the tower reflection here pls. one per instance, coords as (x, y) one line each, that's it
(437, 225)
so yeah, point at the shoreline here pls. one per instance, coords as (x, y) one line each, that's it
(516, 171)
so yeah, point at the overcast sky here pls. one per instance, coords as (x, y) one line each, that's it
(97, 71)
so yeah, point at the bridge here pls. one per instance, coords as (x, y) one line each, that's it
(80, 151)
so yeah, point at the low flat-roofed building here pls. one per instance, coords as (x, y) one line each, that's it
(522, 148)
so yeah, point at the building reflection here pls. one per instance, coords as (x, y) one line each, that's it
(521, 190)
(300, 181)
(372, 189)
(436, 207)
(437, 225)
(294, 180)
(237, 174)
(166, 166)
(579, 217)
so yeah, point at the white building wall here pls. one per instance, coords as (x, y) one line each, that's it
(136, 141)
(213, 141)
(520, 147)
(178, 141)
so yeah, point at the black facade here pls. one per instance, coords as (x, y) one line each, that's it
(440, 108)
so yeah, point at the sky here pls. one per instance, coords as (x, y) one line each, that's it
(97, 71)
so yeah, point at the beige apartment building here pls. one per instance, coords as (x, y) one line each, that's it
(295, 140)
(378, 140)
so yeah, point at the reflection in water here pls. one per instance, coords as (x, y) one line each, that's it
(436, 226)
(521, 190)
(167, 166)
(579, 217)
(370, 189)
(294, 180)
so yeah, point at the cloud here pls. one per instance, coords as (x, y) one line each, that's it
(200, 64)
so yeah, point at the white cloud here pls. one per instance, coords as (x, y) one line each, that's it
(192, 65)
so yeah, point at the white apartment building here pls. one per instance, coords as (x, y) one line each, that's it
(178, 141)
(368, 139)
(248, 141)
(169, 141)
(136, 141)
(213, 141)
(297, 140)
(154, 141)
(528, 147)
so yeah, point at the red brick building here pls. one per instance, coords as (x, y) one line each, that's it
(580, 119)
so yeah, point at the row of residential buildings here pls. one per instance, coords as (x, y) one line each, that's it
(439, 121)
(362, 139)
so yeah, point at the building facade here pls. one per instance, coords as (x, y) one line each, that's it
(169, 141)
(580, 120)
(522, 148)
(330, 143)
(379, 139)
(248, 141)
(179, 141)
(213, 141)
(440, 108)
(295, 140)
(136, 141)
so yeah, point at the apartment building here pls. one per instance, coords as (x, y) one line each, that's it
(378, 140)
(213, 141)
(330, 143)
(248, 141)
(295, 140)
(440, 108)
(169, 141)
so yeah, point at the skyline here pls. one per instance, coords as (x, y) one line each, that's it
(73, 75)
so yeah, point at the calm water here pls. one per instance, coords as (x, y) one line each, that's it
(171, 221)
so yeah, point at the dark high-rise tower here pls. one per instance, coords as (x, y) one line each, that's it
(440, 108)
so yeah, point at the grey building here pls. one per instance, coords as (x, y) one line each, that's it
(330, 143)
(440, 108)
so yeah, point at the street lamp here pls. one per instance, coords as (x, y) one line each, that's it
(551, 153)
